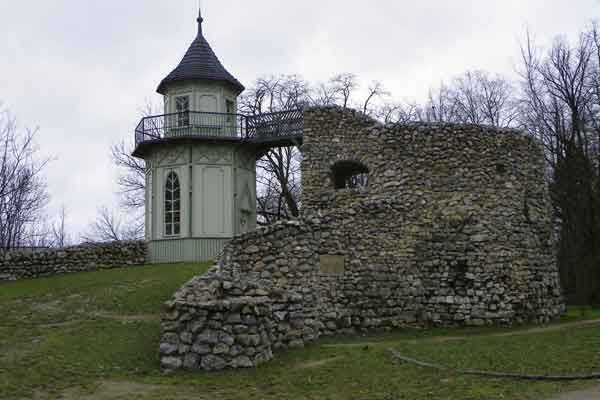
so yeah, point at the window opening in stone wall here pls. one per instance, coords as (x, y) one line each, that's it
(350, 175)
(172, 205)
(500, 168)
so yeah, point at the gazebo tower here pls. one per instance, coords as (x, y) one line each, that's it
(200, 165)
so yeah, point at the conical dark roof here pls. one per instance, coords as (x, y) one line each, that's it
(200, 62)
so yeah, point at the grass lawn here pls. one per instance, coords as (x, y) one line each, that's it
(95, 336)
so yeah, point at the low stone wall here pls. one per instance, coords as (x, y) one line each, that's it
(213, 333)
(23, 264)
(260, 298)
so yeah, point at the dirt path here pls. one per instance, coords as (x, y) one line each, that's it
(592, 393)
(316, 363)
(105, 315)
(125, 390)
(107, 390)
(128, 317)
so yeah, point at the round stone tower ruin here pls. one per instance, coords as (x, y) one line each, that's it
(420, 224)
(435, 223)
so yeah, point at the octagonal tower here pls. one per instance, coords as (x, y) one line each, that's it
(200, 167)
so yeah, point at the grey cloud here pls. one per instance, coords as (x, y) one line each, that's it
(82, 69)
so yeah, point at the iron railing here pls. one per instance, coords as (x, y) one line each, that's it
(269, 126)
(191, 124)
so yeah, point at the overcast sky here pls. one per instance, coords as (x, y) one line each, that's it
(82, 70)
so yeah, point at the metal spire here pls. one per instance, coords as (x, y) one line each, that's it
(200, 19)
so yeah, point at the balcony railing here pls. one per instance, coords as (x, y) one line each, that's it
(261, 128)
(272, 126)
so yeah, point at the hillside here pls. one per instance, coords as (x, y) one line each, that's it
(95, 336)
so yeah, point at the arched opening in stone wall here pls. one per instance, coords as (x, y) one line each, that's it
(349, 174)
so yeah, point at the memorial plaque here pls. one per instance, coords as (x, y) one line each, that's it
(332, 265)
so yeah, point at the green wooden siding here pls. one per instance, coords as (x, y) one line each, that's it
(185, 250)
(218, 199)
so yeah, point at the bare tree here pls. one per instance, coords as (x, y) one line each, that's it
(498, 100)
(398, 113)
(278, 170)
(558, 104)
(440, 106)
(345, 84)
(109, 226)
(132, 176)
(59, 234)
(375, 91)
(38, 235)
(279, 179)
(271, 205)
(23, 194)
(338, 90)
(131, 180)
(325, 94)
(475, 97)
(343, 89)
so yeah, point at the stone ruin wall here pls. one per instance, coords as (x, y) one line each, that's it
(25, 264)
(454, 226)
(453, 229)
(259, 299)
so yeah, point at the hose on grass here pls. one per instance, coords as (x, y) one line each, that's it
(492, 374)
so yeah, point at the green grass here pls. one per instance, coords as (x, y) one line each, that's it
(578, 313)
(96, 334)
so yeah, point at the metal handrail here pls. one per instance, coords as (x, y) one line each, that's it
(255, 128)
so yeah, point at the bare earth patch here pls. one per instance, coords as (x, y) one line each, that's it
(592, 393)
(104, 315)
(48, 308)
(10, 355)
(128, 318)
(126, 390)
(108, 390)
(62, 324)
(317, 363)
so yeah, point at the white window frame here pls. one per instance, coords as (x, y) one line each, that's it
(183, 117)
(170, 212)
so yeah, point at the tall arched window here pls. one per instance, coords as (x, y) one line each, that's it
(172, 205)
(350, 174)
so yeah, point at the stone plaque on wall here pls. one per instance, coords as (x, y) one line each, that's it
(331, 265)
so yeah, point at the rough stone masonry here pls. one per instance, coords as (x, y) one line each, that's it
(24, 264)
(453, 228)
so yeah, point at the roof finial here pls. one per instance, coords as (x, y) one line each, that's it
(200, 19)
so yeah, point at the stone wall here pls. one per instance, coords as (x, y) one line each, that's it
(454, 228)
(24, 264)
(260, 298)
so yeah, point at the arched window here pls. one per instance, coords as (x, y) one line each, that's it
(172, 205)
(350, 174)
